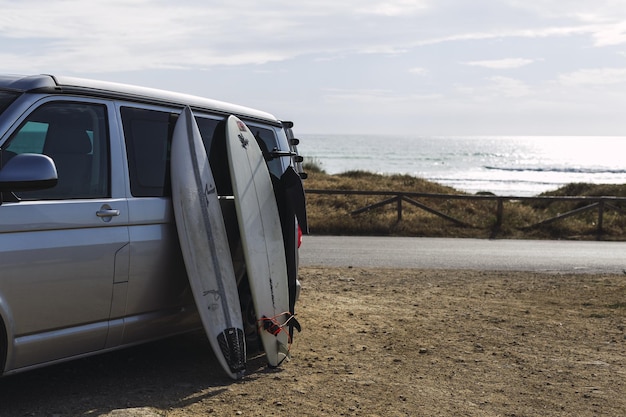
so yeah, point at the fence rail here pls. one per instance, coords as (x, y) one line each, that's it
(600, 203)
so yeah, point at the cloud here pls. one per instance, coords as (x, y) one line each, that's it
(375, 96)
(596, 76)
(133, 35)
(584, 10)
(603, 20)
(497, 87)
(509, 87)
(418, 71)
(394, 7)
(610, 34)
(116, 35)
(508, 63)
(319, 58)
(597, 32)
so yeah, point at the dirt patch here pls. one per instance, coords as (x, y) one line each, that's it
(378, 343)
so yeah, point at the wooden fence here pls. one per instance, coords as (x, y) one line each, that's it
(397, 198)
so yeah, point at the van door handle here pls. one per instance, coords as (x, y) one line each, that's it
(107, 213)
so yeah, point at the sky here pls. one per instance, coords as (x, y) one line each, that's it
(411, 67)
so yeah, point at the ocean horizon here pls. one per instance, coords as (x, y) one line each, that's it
(503, 165)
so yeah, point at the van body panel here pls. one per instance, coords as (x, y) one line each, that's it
(61, 269)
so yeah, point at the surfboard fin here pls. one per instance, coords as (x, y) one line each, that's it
(272, 326)
(282, 348)
(294, 324)
(233, 345)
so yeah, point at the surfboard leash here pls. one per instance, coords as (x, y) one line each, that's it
(271, 325)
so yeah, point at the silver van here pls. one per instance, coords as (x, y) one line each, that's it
(89, 254)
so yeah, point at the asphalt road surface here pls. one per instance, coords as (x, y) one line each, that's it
(476, 254)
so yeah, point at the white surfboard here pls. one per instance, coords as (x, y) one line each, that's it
(204, 244)
(261, 236)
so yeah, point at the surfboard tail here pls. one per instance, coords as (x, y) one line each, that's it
(233, 346)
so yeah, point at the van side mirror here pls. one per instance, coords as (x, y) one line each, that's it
(28, 171)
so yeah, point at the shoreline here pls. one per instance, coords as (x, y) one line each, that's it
(504, 165)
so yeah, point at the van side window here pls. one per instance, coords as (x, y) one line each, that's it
(148, 137)
(213, 134)
(266, 138)
(207, 129)
(75, 135)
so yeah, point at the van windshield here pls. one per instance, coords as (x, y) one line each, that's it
(6, 98)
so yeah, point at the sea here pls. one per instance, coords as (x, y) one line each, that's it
(503, 165)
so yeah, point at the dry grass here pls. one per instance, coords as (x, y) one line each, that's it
(331, 214)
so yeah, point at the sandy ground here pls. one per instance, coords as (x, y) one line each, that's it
(378, 343)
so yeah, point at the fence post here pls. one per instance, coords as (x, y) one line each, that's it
(600, 218)
(399, 207)
(499, 216)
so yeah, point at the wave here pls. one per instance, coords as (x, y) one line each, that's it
(490, 181)
(559, 169)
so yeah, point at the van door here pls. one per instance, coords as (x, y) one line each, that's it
(159, 300)
(60, 248)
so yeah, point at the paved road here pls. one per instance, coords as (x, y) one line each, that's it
(440, 253)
